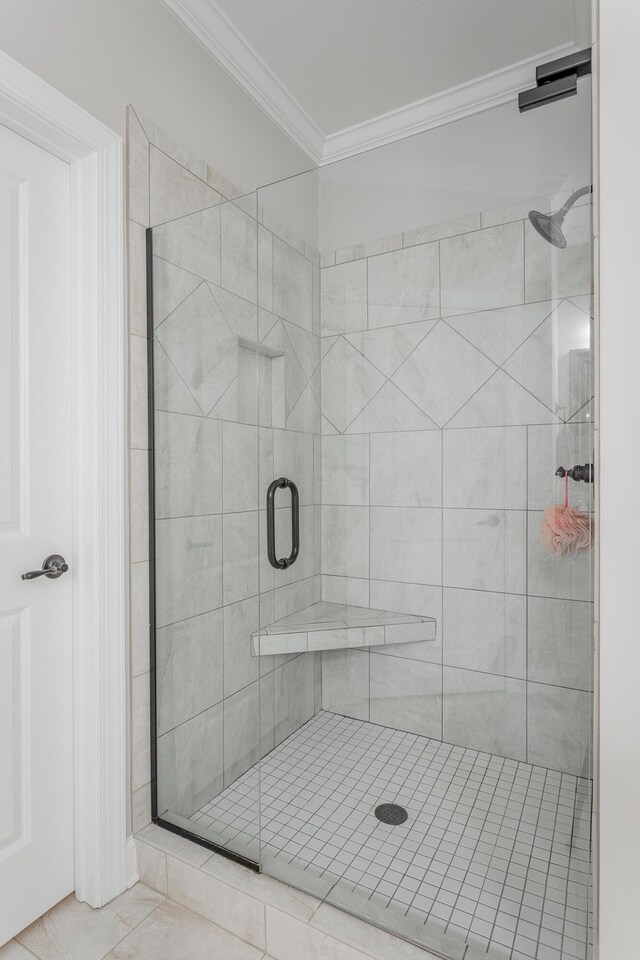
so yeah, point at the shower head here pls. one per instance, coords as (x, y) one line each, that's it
(549, 225)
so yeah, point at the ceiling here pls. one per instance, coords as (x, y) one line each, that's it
(346, 61)
(322, 67)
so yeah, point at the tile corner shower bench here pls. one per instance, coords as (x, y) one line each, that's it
(338, 626)
(377, 371)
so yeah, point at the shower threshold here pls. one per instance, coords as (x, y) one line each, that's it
(336, 626)
(493, 860)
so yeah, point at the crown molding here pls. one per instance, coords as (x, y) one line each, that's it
(492, 90)
(208, 24)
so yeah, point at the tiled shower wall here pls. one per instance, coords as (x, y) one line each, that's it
(212, 471)
(456, 378)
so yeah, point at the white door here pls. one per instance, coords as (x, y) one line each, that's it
(36, 709)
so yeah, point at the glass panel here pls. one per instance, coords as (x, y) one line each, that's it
(205, 398)
(456, 379)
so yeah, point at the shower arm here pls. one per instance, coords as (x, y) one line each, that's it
(562, 212)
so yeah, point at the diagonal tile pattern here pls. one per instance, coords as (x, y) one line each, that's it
(349, 381)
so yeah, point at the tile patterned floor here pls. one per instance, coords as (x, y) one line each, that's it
(493, 859)
(138, 925)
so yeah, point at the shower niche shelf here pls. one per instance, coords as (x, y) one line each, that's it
(338, 626)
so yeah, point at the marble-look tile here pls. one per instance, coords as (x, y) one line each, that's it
(137, 170)
(293, 458)
(566, 578)
(137, 278)
(345, 682)
(171, 931)
(345, 470)
(416, 599)
(345, 541)
(485, 550)
(239, 251)
(240, 315)
(406, 695)
(248, 727)
(485, 467)
(175, 191)
(518, 210)
(139, 505)
(343, 302)
(483, 270)
(188, 668)
(177, 151)
(561, 642)
(406, 469)
(220, 183)
(438, 231)
(240, 468)
(553, 446)
(265, 268)
(304, 565)
(560, 273)
(369, 248)
(240, 556)
(170, 392)
(502, 402)
(140, 731)
(292, 285)
(306, 347)
(350, 590)
(171, 286)
(188, 465)
(294, 695)
(192, 243)
(349, 381)
(388, 347)
(217, 902)
(406, 544)
(173, 845)
(498, 333)
(554, 363)
(188, 567)
(138, 394)
(190, 763)
(288, 939)
(14, 951)
(390, 410)
(442, 373)
(485, 631)
(485, 712)
(139, 617)
(262, 887)
(403, 286)
(559, 728)
(74, 931)
(140, 808)
(152, 867)
(240, 667)
(201, 346)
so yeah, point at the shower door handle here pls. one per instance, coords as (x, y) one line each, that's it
(284, 562)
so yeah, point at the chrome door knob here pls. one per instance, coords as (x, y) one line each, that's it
(52, 567)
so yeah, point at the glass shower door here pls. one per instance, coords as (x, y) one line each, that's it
(429, 653)
(205, 478)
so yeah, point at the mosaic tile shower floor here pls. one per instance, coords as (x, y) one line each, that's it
(493, 860)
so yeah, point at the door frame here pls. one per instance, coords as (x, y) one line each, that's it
(104, 859)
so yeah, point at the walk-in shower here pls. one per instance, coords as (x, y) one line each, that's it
(372, 677)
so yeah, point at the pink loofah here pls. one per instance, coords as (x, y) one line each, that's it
(565, 531)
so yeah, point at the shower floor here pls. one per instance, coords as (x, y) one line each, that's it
(493, 860)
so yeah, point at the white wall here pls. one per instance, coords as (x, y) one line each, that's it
(104, 54)
(619, 725)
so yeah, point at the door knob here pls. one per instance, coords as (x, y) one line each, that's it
(53, 567)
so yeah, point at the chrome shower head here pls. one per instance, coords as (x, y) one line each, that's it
(549, 225)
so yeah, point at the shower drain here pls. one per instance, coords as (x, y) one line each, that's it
(391, 813)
